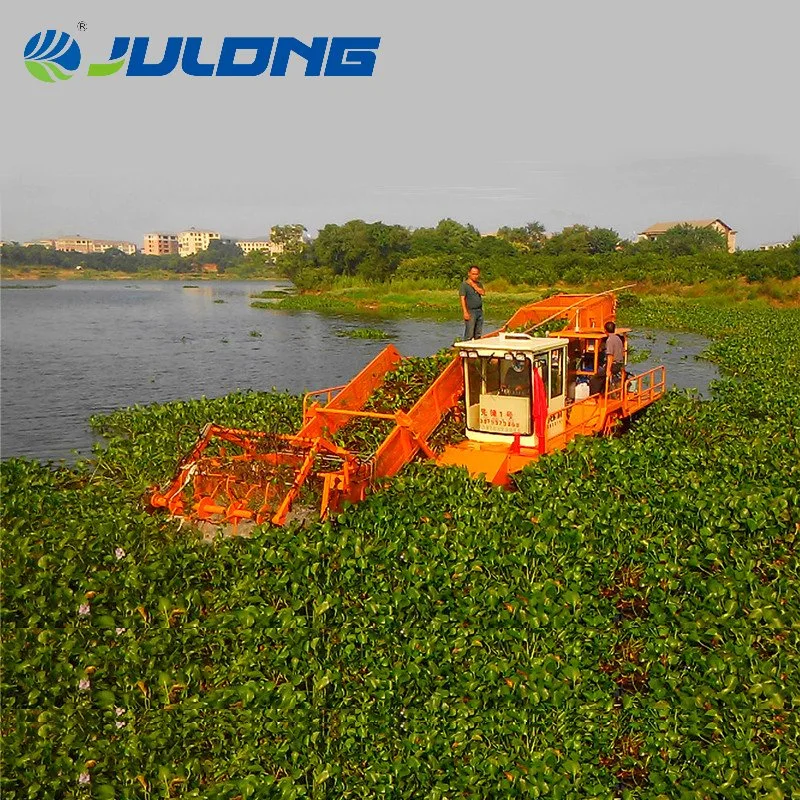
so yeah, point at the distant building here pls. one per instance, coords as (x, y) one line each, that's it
(101, 245)
(82, 244)
(73, 244)
(193, 241)
(774, 245)
(213, 268)
(249, 245)
(160, 244)
(660, 228)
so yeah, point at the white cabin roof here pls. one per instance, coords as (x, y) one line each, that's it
(511, 342)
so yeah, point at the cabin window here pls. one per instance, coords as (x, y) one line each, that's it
(556, 373)
(498, 394)
(540, 362)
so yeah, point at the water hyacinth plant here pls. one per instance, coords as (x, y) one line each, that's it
(363, 333)
(621, 625)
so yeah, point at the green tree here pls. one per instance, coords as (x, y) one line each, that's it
(448, 270)
(448, 236)
(342, 247)
(492, 247)
(112, 259)
(603, 240)
(572, 239)
(526, 238)
(256, 263)
(371, 250)
(222, 252)
(687, 240)
(290, 237)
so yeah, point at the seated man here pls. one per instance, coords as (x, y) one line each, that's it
(517, 380)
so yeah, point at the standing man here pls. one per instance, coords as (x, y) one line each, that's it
(615, 348)
(471, 294)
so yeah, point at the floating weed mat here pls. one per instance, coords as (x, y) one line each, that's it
(363, 333)
(274, 294)
(28, 286)
(624, 625)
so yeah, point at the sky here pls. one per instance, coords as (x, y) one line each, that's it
(617, 114)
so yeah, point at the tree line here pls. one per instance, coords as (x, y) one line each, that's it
(376, 252)
(226, 255)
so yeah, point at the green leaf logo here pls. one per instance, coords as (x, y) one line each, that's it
(52, 56)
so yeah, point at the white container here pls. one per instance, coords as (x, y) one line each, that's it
(581, 391)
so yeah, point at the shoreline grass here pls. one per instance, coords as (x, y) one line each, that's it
(407, 300)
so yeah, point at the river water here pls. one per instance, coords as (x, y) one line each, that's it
(71, 349)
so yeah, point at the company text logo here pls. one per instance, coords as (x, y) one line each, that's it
(51, 55)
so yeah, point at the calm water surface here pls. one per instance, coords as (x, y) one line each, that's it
(78, 348)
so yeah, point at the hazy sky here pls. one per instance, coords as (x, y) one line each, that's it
(619, 113)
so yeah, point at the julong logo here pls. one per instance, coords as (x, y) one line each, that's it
(50, 55)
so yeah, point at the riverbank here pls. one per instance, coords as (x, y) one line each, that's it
(405, 300)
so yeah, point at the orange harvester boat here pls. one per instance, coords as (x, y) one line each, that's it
(519, 396)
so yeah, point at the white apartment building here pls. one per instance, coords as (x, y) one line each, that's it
(82, 244)
(101, 245)
(193, 241)
(249, 245)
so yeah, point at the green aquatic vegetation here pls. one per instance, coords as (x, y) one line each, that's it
(28, 286)
(273, 294)
(256, 334)
(621, 625)
(219, 301)
(400, 390)
(363, 333)
(144, 444)
(636, 356)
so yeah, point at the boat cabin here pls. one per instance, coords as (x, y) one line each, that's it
(511, 380)
(501, 373)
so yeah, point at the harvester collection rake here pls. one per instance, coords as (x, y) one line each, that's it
(232, 475)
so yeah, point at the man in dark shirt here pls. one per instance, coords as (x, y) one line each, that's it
(471, 293)
(615, 348)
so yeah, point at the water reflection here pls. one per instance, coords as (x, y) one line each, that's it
(678, 352)
(83, 347)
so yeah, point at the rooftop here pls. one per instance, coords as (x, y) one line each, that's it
(663, 227)
(511, 342)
